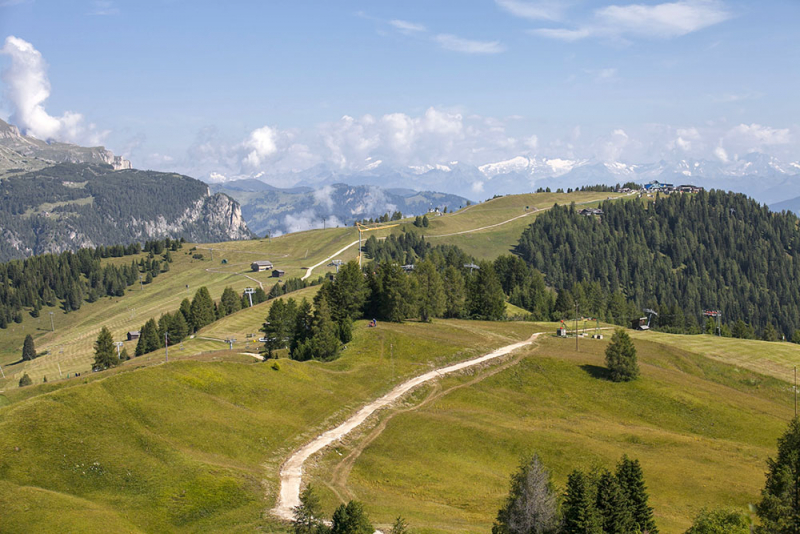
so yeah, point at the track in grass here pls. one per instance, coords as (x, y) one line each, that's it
(292, 470)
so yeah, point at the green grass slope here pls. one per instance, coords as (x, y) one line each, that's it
(702, 430)
(196, 445)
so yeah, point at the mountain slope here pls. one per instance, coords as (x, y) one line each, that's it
(68, 206)
(268, 208)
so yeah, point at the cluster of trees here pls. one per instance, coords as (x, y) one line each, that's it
(598, 188)
(678, 255)
(348, 518)
(395, 216)
(192, 316)
(309, 335)
(421, 221)
(290, 285)
(70, 278)
(598, 502)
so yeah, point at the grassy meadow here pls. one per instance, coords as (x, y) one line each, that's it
(702, 430)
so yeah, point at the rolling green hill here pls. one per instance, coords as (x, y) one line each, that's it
(196, 444)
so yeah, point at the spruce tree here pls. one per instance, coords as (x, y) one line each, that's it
(779, 509)
(431, 299)
(28, 349)
(621, 357)
(178, 329)
(532, 503)
(580, 514)
(202, 311)
(351, 519)
(105, 356)
(613, 506)
(307, 516)
(455, 293)
(631, 479)
(301, 330)
(229, 302)
(275, 328)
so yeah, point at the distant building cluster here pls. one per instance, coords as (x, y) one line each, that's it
(656, 186)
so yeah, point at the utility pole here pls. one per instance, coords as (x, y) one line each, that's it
(119, 345)
(795, 391)
(212, 254)
(324, 226)
(576, 326)
(141, 283)
(249, 291)
(1, 372)
(166, 346)
(52, 324)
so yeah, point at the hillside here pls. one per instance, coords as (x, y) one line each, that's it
(271, 209)
(197, 443)
(679, 255)
(68, 206)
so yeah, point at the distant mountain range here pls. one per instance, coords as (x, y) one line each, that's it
(271, 209)
(758, 175)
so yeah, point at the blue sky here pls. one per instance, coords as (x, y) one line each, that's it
(236, 87)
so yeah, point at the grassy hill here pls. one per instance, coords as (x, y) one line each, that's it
(196, 444)
(701, 429)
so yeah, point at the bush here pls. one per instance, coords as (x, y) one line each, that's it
(721, 521)
(25, 381)
(276, 366)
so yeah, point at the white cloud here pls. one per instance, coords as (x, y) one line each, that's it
(104, 8)
(308, 220)
(663, 21)
(27, 89)
(468, 46)
(532, 143)
(407, 27)
(757, 135)
(541, 10)
(260, 145)
(721, 154)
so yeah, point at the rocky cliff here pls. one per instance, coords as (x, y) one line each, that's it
(68, 206)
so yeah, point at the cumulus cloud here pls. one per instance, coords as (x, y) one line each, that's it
(757, 135)
(663, 21)
(721, 154)
(308, 220)
(27, 87)
(468, 46)
(259, 146)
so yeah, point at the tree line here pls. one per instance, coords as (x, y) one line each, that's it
(678, 255)
(69, 279)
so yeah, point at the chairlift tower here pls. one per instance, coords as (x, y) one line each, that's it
(249, 292)
(119, 345)
(717, 316)
(230, 341)
(650, 313)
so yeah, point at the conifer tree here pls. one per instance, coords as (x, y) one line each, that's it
(25, 381)
(302, 327)
(202, 311)
(532, 504)
(631, 479)
(307, 516)
(613, 506)
(431, 300)
(779, 509)
(455, 293)
(351, 519)
(621, 357)
(28, 348)
(178, 329)
(229, 302)
(580, 514)
(104, 354)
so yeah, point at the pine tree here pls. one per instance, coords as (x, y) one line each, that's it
(621, 357)
(25, 381)
(455, 293)
(202, 311)
(400, 526)
(431, 299)
(779, 509)
(276, 328)
(351, 519)
(229, 302)
(178, 329)
(580, 514)
(104, 354)
(613, 506)
(347, 294)
(485, 296)
(301, 330)
(532, 503)
(28, 348)
(148, 338)
(307, 517)
(631, 480)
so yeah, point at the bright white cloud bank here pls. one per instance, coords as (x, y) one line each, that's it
(26, 90)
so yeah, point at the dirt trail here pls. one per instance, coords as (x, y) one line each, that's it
(292, 470)
(308, 272)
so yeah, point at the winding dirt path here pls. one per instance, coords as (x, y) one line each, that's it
(292, 470)
(308, 272)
